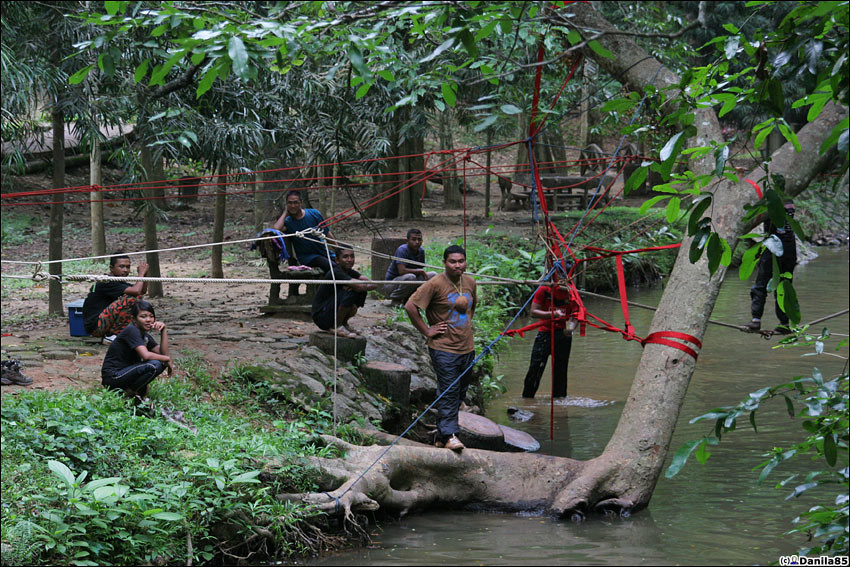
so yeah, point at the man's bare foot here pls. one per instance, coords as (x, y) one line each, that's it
(352, 330)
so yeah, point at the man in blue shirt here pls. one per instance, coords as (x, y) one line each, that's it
(307, 251)
(402, 271)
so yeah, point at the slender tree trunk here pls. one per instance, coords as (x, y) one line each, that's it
(57, 213)
(451, 194)
(98, 237)
(258, 199)
(394, 176)
(417, 164)
(155, 289)
(218, 226)
(487, 178)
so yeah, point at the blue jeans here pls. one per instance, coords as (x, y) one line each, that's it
(448, 366)
(135, 377)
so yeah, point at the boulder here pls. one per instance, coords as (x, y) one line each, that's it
(346, 348)
(518, 441)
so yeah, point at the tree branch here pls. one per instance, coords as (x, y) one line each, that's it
(183, 80)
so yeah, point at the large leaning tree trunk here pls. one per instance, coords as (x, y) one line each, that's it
(623, 477)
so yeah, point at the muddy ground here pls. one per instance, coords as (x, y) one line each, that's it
(222, 322)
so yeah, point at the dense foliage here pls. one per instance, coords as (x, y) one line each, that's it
(88, 480)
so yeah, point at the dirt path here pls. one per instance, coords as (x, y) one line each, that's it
(222, 323)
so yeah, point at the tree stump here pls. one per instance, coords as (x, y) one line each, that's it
(519, 441)
(347, 348)
(388, 379)
(478, 432)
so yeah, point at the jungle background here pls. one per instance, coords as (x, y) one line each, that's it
(225, 96)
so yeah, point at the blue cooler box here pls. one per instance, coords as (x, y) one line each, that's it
(75, 318)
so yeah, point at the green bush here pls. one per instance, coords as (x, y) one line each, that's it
(87, 479)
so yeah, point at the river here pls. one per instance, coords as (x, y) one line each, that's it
(715, 513)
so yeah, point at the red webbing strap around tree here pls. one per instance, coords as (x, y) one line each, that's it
(662, 338)
(624, 303)
(756, 187)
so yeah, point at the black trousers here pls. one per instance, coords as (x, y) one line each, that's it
(540, 354)
(448, 366)
(758, 293)
(135, 377)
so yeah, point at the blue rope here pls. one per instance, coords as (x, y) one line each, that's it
(452, 385)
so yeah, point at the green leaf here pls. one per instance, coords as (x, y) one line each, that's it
(830, 450)
(141, 71)
(239, 55)
(650, 202)
(720, 156)
(510, 109)
(443, 46)
(387, 76)
(80, 75)
(729, 101)
(775, 207)
(776, 97)
(485, 32)
(207, 81)
(599, 50)
(749, 262)
(364, 88)
(696, 214)
(250, 476)
(786, 297)
(106, 64)
(468, 43)
(673, 209)
(573, 37)
(483, 125)
(635, 180)
(111, 8)
(681, 456)
(668, 150)
(715, 251)
(726, 257)
(698, 244)
(790, 135)
(62, 471)
(618, 105)
(449, 94)
(168, 516)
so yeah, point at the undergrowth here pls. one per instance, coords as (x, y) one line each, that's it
(88, 479)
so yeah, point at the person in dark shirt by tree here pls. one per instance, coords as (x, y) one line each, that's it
(787, 259)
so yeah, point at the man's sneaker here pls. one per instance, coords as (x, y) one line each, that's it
(782, 330)
(454, 444)
(11, 373)
(753, 326)
(109, 340)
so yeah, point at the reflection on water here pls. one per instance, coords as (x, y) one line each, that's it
(715, 513)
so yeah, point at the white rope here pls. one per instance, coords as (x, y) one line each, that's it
(300, 234)
(87, 278)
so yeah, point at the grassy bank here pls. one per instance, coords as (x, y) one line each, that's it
(87, 479)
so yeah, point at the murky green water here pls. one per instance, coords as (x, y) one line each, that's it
(710, 514)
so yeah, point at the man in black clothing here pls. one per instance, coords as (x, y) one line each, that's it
(349, 297)
(106, 310)
(787, 259)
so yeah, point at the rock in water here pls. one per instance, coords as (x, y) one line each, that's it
(519, 415)
(518, 441)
